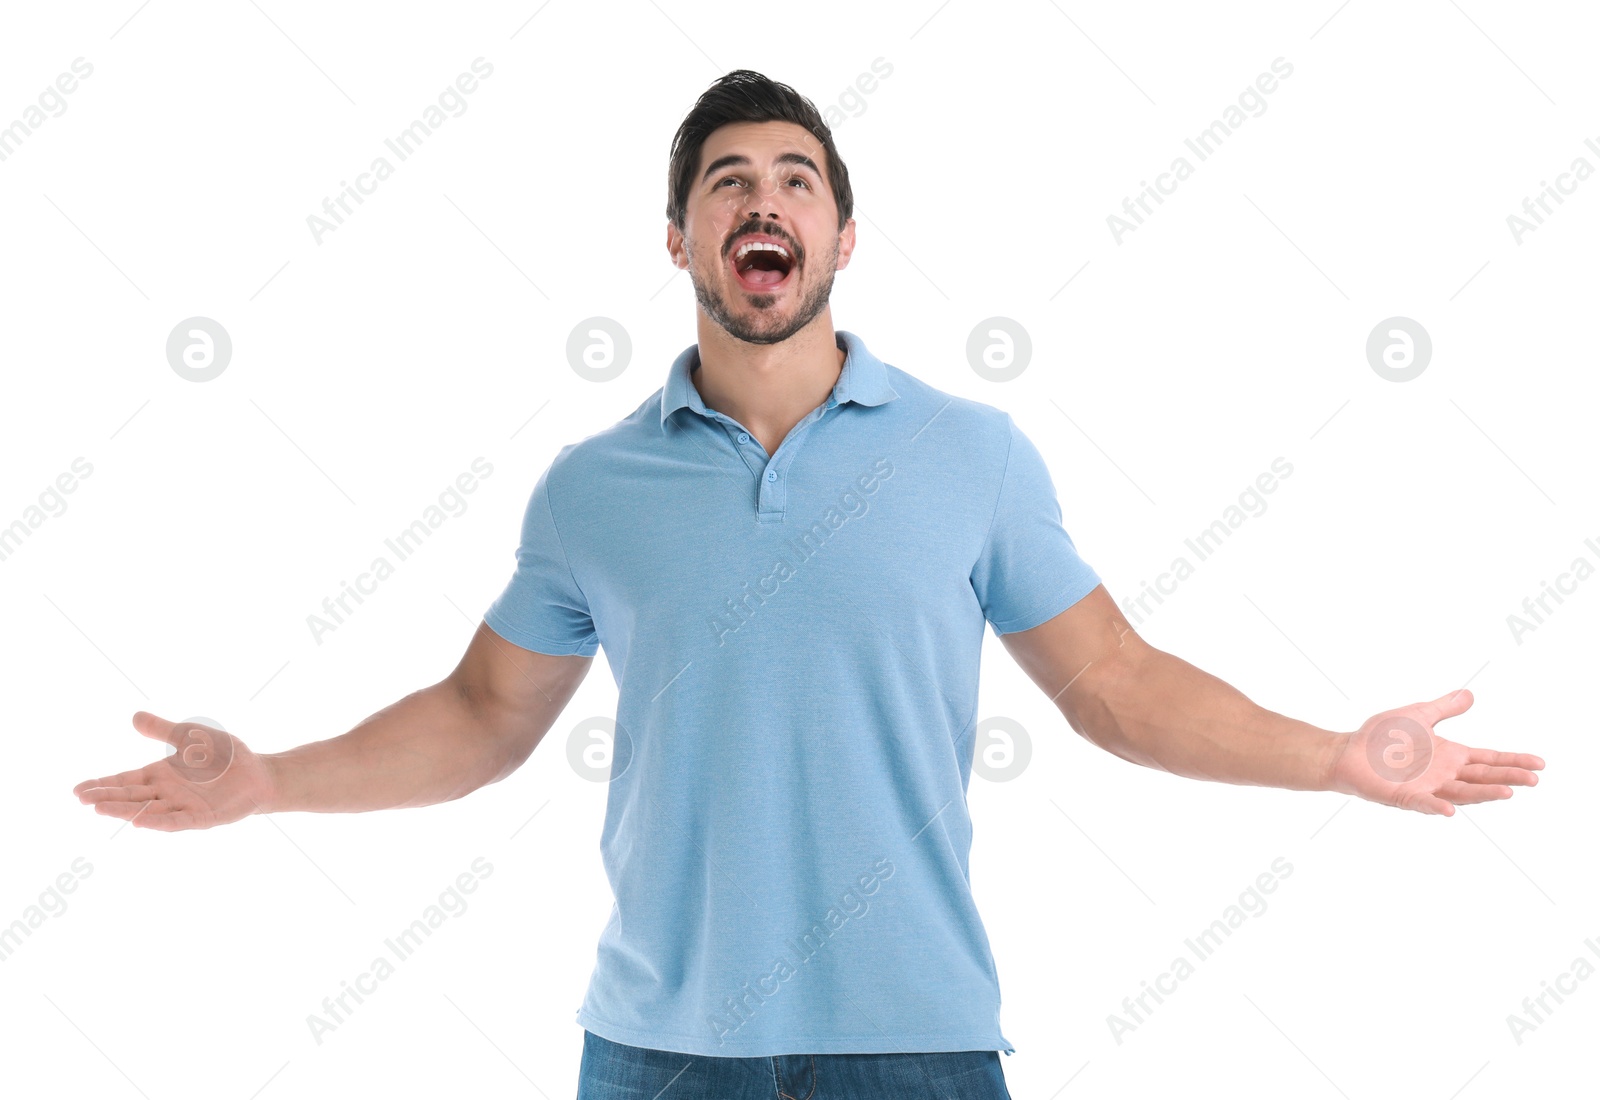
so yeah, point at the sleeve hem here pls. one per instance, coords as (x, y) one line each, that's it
(537, 644)
(1064, 599)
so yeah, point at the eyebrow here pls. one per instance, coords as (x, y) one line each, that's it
(738, 159)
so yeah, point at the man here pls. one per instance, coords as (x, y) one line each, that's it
(789, 553)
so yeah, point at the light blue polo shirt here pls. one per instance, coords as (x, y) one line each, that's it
(795, 641)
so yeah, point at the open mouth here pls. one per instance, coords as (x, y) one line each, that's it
(762, 266)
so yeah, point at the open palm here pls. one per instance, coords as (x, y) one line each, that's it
(1396, 759)
(212, 778)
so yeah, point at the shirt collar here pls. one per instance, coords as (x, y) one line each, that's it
(864, 379)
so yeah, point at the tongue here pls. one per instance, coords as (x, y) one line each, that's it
(758, 276)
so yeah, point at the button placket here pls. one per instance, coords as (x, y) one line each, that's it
(741, 441)
(774, 493)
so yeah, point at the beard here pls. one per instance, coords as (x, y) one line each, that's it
(759, 321)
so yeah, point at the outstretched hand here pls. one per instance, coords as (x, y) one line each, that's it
(212, 779)
(1397, 759)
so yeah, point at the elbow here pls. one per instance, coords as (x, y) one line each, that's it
(488, 734)
(1101, 702)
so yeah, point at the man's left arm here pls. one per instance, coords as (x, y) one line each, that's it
(1152, 708)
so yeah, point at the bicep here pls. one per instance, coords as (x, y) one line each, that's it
(521, 686)
(1064, 655)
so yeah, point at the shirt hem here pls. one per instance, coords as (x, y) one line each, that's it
(821, 1044)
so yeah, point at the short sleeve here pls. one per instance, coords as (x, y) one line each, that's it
(1028, 571)
(542, 607)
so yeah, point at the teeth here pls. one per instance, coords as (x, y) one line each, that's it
(752, 246)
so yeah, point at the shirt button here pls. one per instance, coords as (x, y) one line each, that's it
(744, 437)
(772, 475)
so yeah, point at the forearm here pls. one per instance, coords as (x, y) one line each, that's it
(432, 746)
(1155, 709)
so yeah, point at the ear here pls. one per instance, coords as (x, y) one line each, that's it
(847, 243)
(675, 247)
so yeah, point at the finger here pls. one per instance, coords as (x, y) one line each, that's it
(127, 811)
(1505, 759)
(170, 823)
(1467, 794)
(1483, 773)
(135, 793)
(1446, 706)
(1428, 804)
(122, 779)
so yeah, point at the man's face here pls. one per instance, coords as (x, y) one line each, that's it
(764, 182)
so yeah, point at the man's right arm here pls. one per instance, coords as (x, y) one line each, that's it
(476, 726)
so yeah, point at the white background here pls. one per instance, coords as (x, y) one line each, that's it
(371, 368)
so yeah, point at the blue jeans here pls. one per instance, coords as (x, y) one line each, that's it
(613, 1071)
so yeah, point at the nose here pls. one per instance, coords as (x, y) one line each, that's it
(762, 198)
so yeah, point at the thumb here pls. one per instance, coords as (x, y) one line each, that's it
(199, 754)
(1448, 706)
(156, 728)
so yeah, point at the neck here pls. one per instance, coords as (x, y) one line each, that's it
(768, 388)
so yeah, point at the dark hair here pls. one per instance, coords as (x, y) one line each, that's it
(746, 96)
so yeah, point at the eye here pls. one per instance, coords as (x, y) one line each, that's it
(801, 180)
